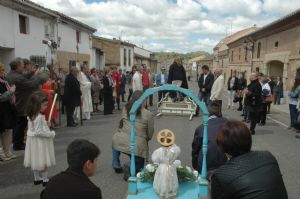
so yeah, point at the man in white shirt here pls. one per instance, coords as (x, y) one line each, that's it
(217, 88)
(137, 84)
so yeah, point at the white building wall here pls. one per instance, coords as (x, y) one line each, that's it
(93, 58)
(142, 52)
(7, 27)
(126, 66)
(31, 43)
(68, 40)
(13, 43)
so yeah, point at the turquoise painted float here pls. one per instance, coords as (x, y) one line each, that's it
(144, 190)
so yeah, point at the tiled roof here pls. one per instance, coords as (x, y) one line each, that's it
(236, 36)
(196, 59)
(65, 17)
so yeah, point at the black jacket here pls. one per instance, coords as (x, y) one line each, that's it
(71, 184)
(272, 85)
(248, 176)
(254, 98)
(107, 88)
(177, 72)
(215, 157)
(8, 111)
(235, 84)
(209, 81)
(241, 84)
(72, 93)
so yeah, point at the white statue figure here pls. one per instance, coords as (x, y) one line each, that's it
(165, 181)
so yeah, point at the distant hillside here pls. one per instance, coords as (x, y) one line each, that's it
(185, 57)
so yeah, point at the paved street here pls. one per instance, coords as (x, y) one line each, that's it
(16, 182)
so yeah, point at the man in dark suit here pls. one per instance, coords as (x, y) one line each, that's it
(205, 83)
(74, 183)
(215, 157)
(253, 100)
(72, 95)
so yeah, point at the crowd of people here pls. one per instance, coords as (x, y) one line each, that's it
(28, 110)
(253, 99)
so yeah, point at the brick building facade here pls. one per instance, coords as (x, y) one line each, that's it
(229, 60)
(273, 50)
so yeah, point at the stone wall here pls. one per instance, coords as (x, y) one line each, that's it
(111, 50)
(64, 58)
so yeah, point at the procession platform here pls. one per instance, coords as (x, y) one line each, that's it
(186, 190)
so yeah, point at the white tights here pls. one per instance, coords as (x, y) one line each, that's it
(40, 175)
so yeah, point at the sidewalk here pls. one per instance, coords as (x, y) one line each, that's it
(281, 108)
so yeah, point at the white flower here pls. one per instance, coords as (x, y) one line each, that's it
(196, 173)
(177, 163)
(139, 175)
(150, 168)
(189, 169)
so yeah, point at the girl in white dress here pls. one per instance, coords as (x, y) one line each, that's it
(39, 151)
(165, 181)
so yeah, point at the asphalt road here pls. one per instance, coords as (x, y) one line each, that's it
(16, 182)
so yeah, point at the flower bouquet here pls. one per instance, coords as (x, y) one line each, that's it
(184, 174)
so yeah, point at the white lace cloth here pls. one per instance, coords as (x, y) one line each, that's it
(165, 181)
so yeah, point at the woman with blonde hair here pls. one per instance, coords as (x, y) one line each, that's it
(7, 116)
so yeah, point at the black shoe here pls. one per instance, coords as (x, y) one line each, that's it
(37, 182)
(252, 132)
(19, 148)
(72, 125)
(45, 184)
(242, 114)
(239, 109)
(126, 170)
(118, 170)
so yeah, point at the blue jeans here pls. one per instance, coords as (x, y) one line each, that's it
(204, 97)
(139, 161)
(116, 158)
(293, 115)
(246, 114)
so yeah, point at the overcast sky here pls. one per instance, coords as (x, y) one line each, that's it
(170, 25)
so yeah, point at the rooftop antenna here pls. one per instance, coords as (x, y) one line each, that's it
(120, 37)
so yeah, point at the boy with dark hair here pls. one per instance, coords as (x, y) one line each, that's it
(74, 182)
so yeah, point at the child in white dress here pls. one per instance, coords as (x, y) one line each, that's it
(39, 151)
(165, 181)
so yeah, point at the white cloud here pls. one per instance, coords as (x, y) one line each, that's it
(279, 7)
(167, 24)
